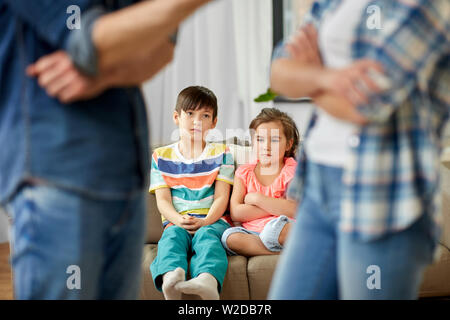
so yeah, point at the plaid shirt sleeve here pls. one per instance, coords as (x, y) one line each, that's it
(318, 10)
(413, 36)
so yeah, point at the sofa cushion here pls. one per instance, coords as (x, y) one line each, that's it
(445, 187)
(436, 280)
(241, 154)
(260, 270)
(235, 284)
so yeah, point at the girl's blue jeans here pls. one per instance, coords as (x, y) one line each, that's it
(321, 262)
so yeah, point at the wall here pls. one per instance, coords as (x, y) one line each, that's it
(299, 111)
(225, 46)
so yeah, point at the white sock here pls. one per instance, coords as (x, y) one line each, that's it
(204, 285)
(170, 279)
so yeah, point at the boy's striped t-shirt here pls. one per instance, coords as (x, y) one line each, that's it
(191, 182)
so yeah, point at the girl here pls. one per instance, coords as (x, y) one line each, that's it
(258, 199)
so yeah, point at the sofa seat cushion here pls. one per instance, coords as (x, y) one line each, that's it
(260, 270)
(436, 279)
(235, 285)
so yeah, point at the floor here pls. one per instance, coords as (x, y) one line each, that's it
(6, 291)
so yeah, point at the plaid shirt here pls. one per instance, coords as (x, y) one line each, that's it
(392, 177)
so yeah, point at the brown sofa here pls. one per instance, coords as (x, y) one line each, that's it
(250, 278)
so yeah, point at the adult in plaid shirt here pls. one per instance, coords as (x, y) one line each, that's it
(367, 227)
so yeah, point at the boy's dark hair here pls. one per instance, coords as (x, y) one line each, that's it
(289, 128)
(196, 97)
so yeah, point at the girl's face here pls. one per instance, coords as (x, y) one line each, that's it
(270, 143)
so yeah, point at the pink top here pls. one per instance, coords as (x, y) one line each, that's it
(276, 190)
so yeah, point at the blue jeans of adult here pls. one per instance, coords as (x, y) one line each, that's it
(321, 262)
(70, 246)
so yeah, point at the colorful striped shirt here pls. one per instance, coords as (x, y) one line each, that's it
(392, 177)
(191, 181)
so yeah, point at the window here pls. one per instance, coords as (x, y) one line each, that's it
(287, 16)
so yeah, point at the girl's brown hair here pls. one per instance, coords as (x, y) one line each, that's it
(195, 97)
(289, 128)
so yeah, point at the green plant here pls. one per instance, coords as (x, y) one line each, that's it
(269, 95)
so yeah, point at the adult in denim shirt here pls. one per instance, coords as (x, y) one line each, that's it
(73, 176)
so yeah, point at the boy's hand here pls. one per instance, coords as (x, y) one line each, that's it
(191, 224)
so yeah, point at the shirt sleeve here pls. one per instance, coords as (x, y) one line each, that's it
(316, 12)
(49, 19)
(156, 179)
(242, 173)
(226, 171)
(80, 45)
(410, 43)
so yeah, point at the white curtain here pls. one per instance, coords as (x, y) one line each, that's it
(225, 46)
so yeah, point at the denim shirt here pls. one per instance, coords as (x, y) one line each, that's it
(97, 147)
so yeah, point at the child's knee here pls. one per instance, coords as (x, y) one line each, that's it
(174, 232)
(205, 231)
(234, 240)
(284, 233)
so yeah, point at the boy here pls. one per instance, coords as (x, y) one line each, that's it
(191, 179)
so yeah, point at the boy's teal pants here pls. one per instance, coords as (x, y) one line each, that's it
(208, 254)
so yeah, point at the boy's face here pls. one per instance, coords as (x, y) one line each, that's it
(195, 124)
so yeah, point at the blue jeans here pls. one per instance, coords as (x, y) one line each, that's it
(67, 246)
(325, 263)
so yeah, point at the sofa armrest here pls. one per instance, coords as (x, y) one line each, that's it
(445, 207)
(154, 224)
